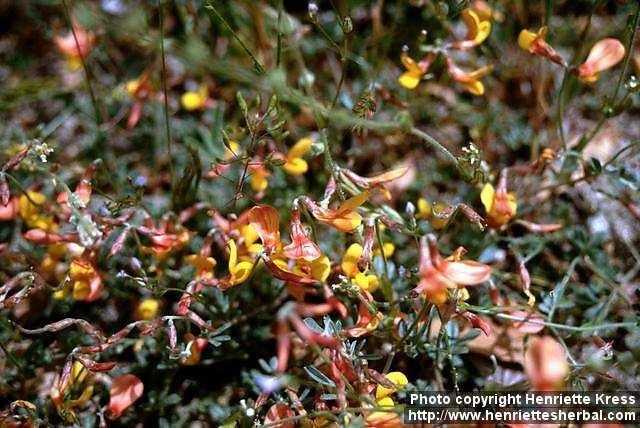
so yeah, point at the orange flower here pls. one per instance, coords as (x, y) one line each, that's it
(195, 346)
(301, 247)
(266, 222)
(546, 364)
(603, 55)
(438, 274)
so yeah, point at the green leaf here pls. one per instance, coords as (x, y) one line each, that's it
(318, 376)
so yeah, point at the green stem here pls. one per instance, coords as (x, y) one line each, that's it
(87, 75)
(166, 95)
(211, 8)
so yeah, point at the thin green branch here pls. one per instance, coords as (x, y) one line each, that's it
(211, 9)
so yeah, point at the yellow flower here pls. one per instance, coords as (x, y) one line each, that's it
(294, 163)
(424, 209)
(132, 87)
(250, 236)
(29, 209)
(201, 262)
(148, 309)
(387, 248)
(232, 150)
(350, 268)
(410, 78)
(499, 205)
(259, 178)
(477, 29)
(193, 100)
(85, 280)
(382, 418)
(319, 268)
(239, 271)
(397, 378)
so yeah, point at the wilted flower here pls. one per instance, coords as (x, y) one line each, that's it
(534, 43)
(603, 55)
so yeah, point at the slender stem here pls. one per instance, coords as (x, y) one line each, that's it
(87, 75)
(279, 34)
(558, 291)
(585, 140)
(560, 111)
(404, 338)
(259, 67)
(629, 53)
(434, 144)
(582, 328)
(166, 97)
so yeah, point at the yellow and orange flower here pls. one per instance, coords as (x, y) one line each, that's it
(60, 393)
(470, 81)
(75, 47)
(30, 209)
(345, 218)
(534, 43)
(85, 280)
(501, 206)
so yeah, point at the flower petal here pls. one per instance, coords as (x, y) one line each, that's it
(466, 272)
(125, 390)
